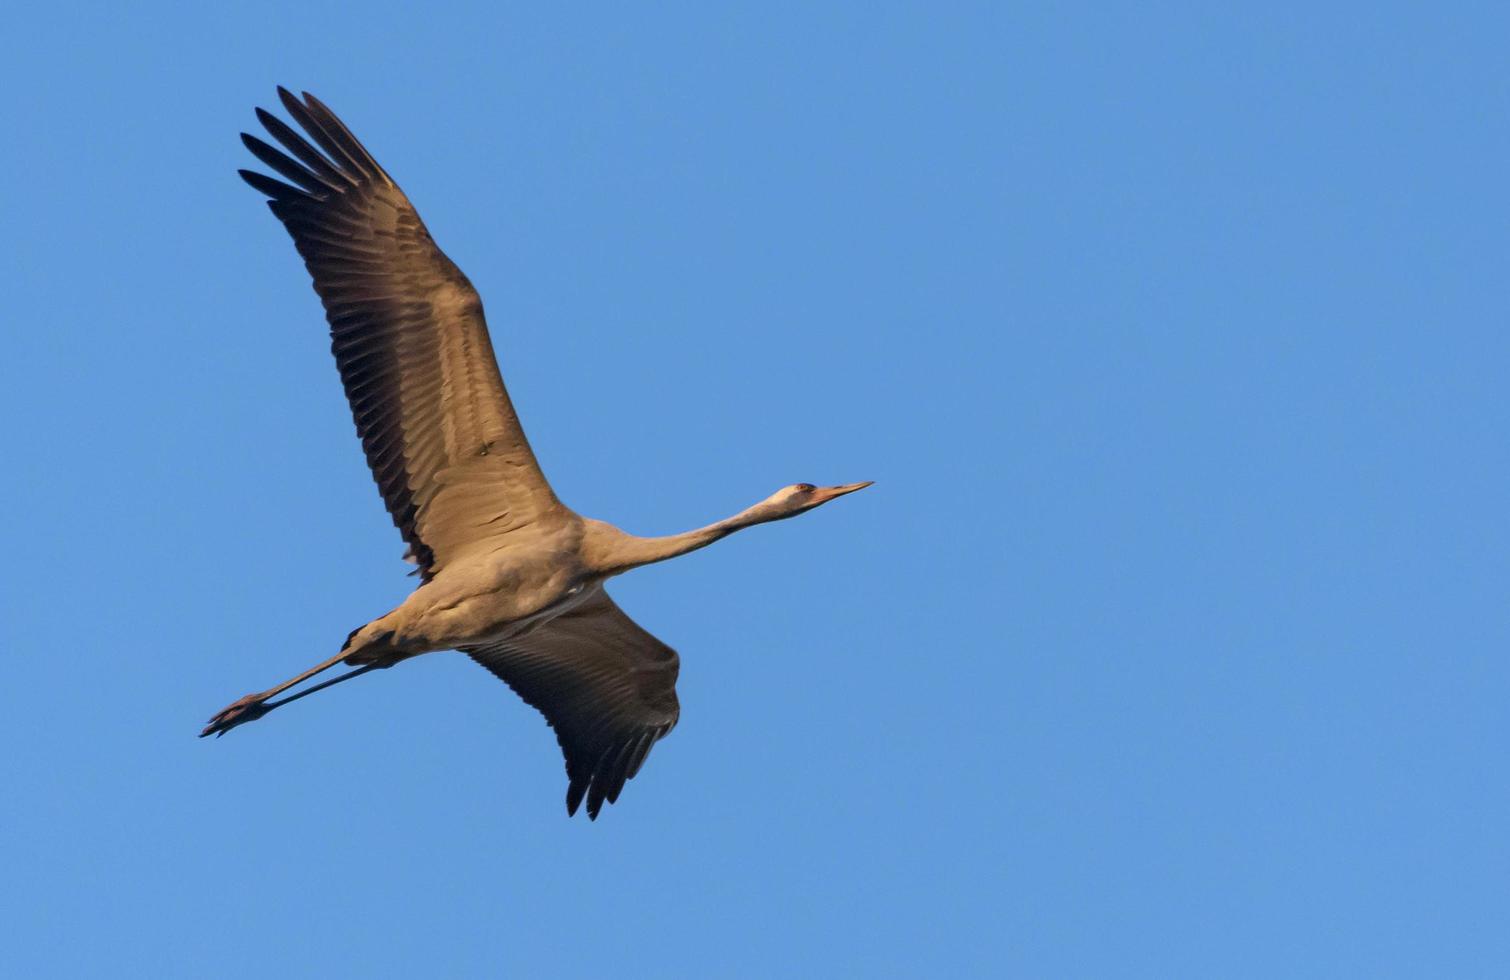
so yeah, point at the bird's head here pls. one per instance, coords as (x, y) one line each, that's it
(802, 497)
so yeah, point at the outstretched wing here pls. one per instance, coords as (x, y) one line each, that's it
(407, 330)
(605, 685)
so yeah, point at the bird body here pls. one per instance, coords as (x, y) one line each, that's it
(508, 574)
(491, 595)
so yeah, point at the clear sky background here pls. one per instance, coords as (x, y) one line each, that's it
(1172, 640)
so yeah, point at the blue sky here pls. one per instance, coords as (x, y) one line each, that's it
(1171, 641)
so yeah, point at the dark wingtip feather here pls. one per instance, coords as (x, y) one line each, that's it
(345, 138)
(342, 147)
(638, 755)
(275, 189)
(284, 166)
(618, 770)
(299, 147)
(574, 796)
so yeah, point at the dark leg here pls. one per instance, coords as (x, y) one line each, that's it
(254, 706)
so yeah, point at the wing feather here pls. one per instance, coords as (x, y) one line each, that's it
(407, 330)
(605, 685)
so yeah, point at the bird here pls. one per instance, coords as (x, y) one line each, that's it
(508, 574)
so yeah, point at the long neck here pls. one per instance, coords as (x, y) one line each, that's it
(610, 551)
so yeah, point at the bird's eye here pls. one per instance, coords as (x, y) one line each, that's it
(805, 488)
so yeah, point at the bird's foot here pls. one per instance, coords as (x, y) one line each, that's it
(238, 712)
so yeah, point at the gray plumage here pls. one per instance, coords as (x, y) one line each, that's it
(508, 574)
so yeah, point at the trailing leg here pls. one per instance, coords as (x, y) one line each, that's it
(254, 706)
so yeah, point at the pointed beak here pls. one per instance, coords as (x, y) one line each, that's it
(825, 494)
